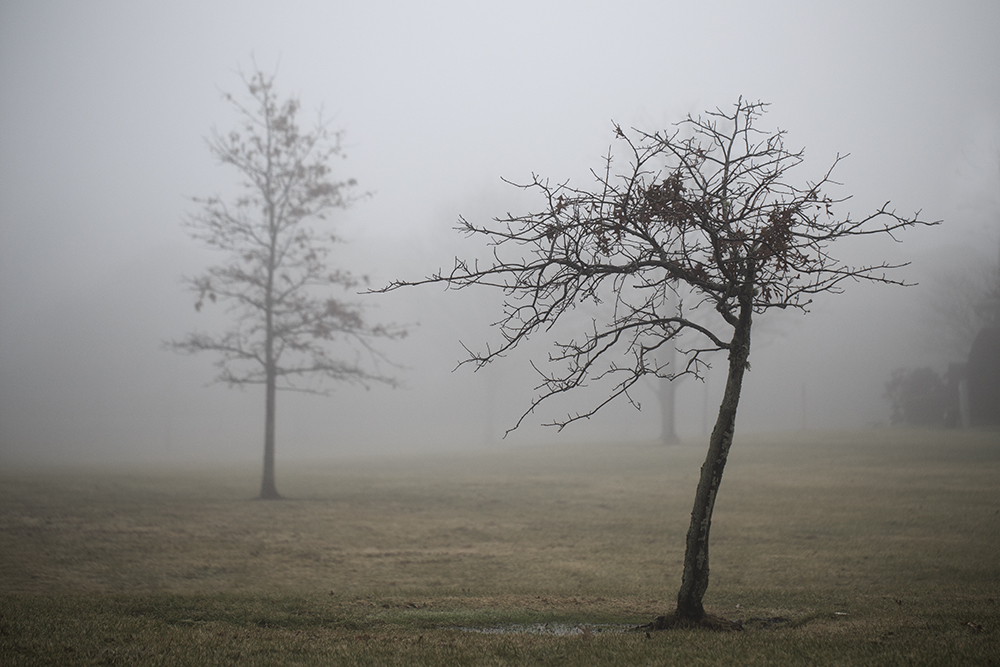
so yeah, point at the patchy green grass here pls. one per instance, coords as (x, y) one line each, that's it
(872, 548)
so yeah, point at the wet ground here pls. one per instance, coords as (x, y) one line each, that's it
(554, 629)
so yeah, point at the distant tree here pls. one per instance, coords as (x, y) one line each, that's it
(983, 377)
(965, 299)
(961, 303)
(707, 204)
(920, 397)
(666, 395)
(275, 279)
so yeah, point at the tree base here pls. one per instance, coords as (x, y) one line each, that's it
(270, 495)
(707, 622)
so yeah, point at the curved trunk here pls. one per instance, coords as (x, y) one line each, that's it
(694, 582)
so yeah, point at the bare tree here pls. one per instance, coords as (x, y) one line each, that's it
(707, 204)
(275, 279)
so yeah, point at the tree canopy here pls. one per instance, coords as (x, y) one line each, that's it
(706, 205)
(288, 331)
(700, 229)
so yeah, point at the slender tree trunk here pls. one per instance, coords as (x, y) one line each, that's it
(268, 489)
(668, 428)
(667, 393)
(694, 582)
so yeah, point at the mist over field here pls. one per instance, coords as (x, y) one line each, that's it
(104, 110)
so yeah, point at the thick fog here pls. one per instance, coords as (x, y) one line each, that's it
(104, 110)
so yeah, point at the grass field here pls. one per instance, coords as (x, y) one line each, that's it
(866, 548)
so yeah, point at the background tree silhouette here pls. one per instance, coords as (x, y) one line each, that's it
(707, 204)
(961, 302)
(275, 280)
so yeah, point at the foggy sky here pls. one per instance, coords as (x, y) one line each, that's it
(104, 107)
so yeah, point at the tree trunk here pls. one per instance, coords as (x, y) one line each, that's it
(694, 582)
(667, 395)
(268, 489)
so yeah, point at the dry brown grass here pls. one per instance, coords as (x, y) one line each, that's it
(873, 546)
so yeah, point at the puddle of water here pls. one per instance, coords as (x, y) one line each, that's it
(553, 629)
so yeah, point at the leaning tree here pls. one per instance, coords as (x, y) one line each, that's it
(707, 210)
(275, 276)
